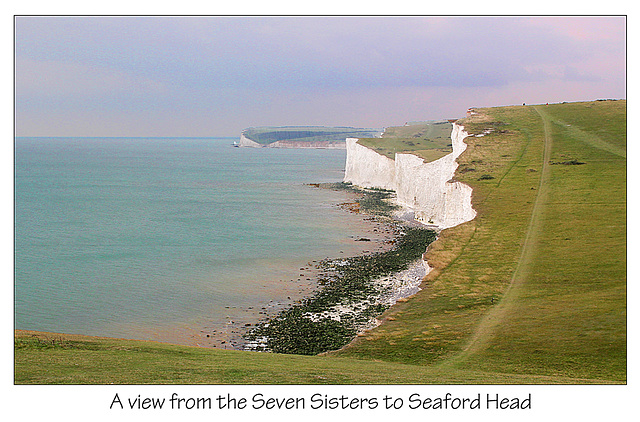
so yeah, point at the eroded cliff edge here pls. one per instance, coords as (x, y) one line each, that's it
(426, 188)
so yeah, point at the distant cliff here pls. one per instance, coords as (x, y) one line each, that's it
(426, 188)
(246, 142)
(302, 136)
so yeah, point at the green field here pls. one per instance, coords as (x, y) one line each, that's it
(536, 284)
(268, 135)
(428, 140)
(531, 291)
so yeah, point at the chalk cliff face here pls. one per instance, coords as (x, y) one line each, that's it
(425, 188)
(246, 142)
(367, 168)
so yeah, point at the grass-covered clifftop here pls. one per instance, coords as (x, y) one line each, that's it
(428, 140)
(533, 290)
(536, 283)
(269, 135)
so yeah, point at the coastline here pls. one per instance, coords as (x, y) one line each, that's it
(429, 199)
(353, 291)
(370, 235)
(381, 235)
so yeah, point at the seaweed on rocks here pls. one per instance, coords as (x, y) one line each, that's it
(349, 298)
(375, 201)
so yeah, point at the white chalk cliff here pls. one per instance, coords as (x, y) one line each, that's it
(246, 142)
(427, 189)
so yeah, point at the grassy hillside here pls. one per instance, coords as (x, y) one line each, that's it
(46, 358)
(268, 135)
(428, 140)
(536, 284)
(531, 291)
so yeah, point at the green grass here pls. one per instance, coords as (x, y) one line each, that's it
(567, 316)
(533, 290)
(428, 140)
(549, 251)
(76, 359)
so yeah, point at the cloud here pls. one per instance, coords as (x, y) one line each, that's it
(238, 65)
(337, 53)
(321, 52)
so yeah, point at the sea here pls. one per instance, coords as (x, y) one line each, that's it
(180, 240)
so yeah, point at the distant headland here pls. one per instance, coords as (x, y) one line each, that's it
(303, 136)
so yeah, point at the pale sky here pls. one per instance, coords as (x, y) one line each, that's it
(214, 76)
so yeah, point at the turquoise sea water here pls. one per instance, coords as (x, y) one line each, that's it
(157, 238)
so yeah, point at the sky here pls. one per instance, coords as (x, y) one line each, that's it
(214, 76)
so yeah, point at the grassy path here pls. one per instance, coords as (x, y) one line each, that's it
(536, 283)
(588, 138)
(562, 307)
(496, 315)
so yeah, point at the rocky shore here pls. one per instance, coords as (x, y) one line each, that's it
(372, 235)
(352, 291)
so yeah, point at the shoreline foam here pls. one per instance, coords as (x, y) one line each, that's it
(370, 235)
(349, 301)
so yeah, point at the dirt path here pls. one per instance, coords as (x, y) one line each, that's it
(486, 328)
